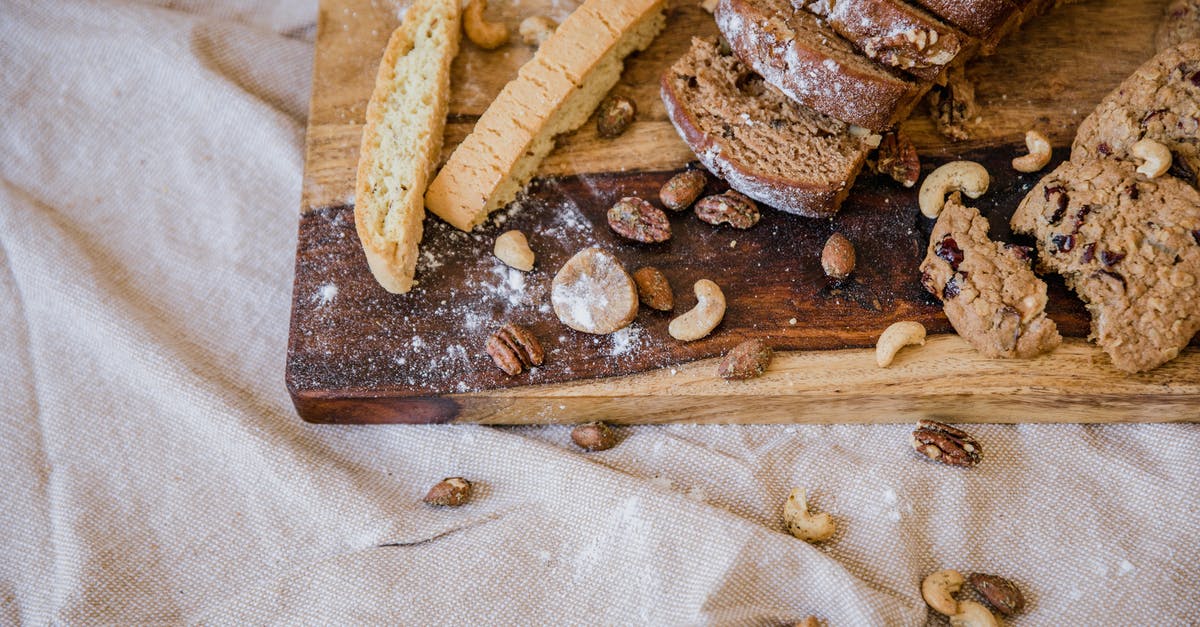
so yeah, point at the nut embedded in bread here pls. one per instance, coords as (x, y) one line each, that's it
(402, 139)
(762, 143)
(554, 92)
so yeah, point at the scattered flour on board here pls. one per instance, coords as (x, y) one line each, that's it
(325, 294)
(625, 340)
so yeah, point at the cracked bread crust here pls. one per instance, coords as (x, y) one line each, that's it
(982, 18)
(895, 34)
(812, 64)
(1160, 101)
(1129, 247)
(988, 291)
(763, 144)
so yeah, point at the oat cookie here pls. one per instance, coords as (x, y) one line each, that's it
(987, 288)
(1130, 247)
(1180, 22)
(1160, 101)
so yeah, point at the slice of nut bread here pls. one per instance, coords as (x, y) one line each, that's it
(984, 19)
(987, 288)
(554, 92)
(1161, 102)
(762, 143)
(895, 34)
(801, 56)
(402, 139)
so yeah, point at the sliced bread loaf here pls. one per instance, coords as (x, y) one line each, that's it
(762, 143)
(402, 139)
(1160, 101)
(554, 92)
(797, 53)
(895, 34)
(984, 19)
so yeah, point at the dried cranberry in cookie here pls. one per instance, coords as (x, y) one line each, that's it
(1134, 258)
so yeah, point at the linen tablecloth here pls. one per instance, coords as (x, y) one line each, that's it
(155, 471)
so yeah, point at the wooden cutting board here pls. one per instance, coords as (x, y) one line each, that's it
(359, 354)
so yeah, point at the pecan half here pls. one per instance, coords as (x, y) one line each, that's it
(999, 593)
(943, 443)
(682, 190)
(639, 221)
(514, 348)
(731, 208)
(898, 159)
(746, 360)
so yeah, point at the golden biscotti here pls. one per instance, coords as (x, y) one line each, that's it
(402, 139)
(554, 92)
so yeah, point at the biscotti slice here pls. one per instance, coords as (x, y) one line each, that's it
(1129, 247)
(402, 139)
(895, 34)
(554, 92)
(808, 61)
(987, 289)
(762, 143)
(1160, 101)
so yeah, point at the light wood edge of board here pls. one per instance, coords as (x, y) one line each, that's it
(1073, 384)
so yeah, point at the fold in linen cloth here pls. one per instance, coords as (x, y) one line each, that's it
(155, 472)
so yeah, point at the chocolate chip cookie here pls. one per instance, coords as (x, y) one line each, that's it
(987, 288)
(1160, 101)
(1129, 247)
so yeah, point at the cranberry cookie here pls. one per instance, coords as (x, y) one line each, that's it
(1181, 22)
(987, 288)
(1160, 101)
(1129, 247)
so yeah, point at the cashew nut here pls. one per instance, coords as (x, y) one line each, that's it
(972, 614)
(704, 317)
(967, 177)
(1039, 153)
(1156, 158)
(482, 33)
(803, 525)
(895, 337)
(513, 249)
(938, 591)
(535, 29)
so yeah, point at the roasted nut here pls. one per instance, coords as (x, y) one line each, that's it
(594, 436)
(967, 177)
(639, 221)
(709, 5)
(450, 492)
(939, 589)
(513, 249)
(653, 288)
(682, 190)
(943, 443)
(810, 621)
(746, 360)
(704, 317)
(837, 258)
(898, 159)
(997, 592)
(592, 293)
(485, 34)
(871, 139)
(895, 337)
(972, 614)
(731, 207)
(536, 29)
(802, 524)
(514, 348)
(1039, 153)
(615, 115)
(1156, 158)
